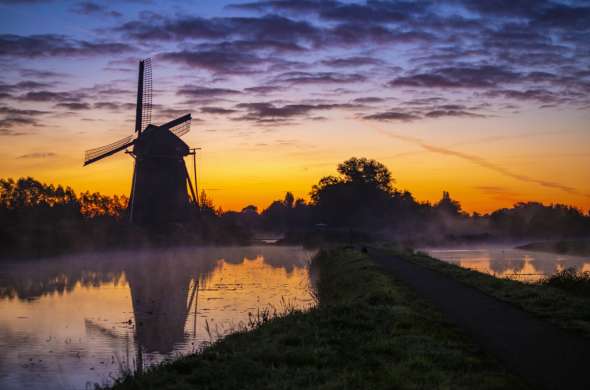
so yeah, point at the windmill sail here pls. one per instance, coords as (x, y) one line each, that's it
(143, 109)
(182, 128)
(96, 154)
(146, 117)
(179, 126)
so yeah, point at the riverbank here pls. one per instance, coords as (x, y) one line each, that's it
(562, 247)
(368, 331)
(546, 356)
(560, 306)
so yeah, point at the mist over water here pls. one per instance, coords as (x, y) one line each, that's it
(506, 262)
(74, 321)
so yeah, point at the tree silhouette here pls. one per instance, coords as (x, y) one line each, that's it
(360, 197)
(368, 172)
(289, 200)
(448, 206)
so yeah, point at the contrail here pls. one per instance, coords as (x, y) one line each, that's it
(480, 162)
(487, 140)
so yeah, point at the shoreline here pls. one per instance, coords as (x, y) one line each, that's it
(562, 247)
(368, 331)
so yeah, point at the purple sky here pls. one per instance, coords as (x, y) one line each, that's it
(286, 74)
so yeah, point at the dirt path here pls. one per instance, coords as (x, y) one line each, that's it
(538, 351)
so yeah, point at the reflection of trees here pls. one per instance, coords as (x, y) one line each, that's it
(499, 265)
(33, 279)
(36, 278)
(162, 283)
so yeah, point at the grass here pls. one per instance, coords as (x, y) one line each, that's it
(551, 299)
(570, 280)
(368, 332)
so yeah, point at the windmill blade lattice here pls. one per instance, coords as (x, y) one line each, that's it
(146, 117)
(96, 154)
(181, 129)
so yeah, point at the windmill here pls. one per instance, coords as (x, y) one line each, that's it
(160, 178)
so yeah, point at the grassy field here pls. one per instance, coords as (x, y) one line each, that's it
(561, 299)
(368, 332)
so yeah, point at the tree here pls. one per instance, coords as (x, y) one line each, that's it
(364, 171)
(448, 205)
(250, 210)
(361, 196)
(206, 205)
(289, 200)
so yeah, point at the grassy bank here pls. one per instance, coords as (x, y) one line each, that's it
(563, 247)
(553, 299)
(368, 332)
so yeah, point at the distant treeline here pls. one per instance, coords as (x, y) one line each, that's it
(361, 203)
(39, 219)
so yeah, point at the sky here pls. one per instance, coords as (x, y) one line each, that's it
(487, 100)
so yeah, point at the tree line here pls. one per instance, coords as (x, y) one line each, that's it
(361, 201)
(363, 198)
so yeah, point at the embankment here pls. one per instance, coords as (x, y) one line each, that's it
(368, 331)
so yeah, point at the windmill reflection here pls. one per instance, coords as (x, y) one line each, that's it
(162, 300)
(114, 312)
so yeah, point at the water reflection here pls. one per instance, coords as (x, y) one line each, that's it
(511, 263)
(75, 320)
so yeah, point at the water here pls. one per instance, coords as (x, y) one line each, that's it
(74, 321)
(506, 262)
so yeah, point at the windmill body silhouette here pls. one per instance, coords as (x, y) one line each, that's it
(159, 185)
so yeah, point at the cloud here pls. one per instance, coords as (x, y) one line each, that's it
(217, 110)
(15, 119)
(354, 34)
(53, 45)
(351, 62)
(297, 6)
(264, 89)
(538, 95)
(279, 28)
(272, 45)
(26, 2)
(423, 111)
(41, 74)
(199, 92)
(168, 113)
(74, 106)
(17, 111)
(264, 112)
(430, 55)
(11, 133)
(369, 99)
(216, 61)
(91, 8)
(375, 11)
(23, 86)
(49, 96)
(393, 116)
(114, 107)
(543, 13)
(319, 78)
(484, 76)
(37, 155)
(452, 113)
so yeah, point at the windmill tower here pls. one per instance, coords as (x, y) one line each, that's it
(159, 185)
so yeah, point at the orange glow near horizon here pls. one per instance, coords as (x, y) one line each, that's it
(259, 166)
